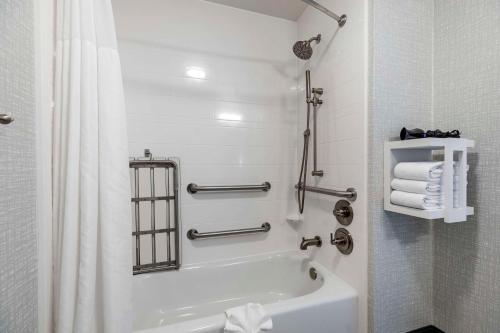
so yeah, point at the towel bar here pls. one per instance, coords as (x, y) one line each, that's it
(193, 188)
(194, 234)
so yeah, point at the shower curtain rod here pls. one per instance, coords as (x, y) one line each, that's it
(341, 20)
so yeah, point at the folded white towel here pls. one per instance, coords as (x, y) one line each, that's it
(415, 200)
(249, 318)
(425, 171)
(439, 196)
(419, 186)
(415, 186)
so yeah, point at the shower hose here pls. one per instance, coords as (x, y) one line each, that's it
(301, 188)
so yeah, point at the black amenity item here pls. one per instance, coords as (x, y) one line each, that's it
(415, 133)
(418, 133)
(427, 329)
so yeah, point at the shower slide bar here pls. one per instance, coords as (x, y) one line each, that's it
(193, 188)
(341, 20)
(349, 194)
(193, 234)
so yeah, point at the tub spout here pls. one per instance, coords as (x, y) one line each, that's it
(316, 241)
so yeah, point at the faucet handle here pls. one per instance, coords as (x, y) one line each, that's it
(343, 240)
(337, 241)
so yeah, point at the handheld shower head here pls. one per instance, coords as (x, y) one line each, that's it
(303, 49)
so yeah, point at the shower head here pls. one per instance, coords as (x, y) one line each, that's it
(303, 49)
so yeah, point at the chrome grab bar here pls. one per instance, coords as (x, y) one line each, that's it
(194, 234)
(193, 188)
(350, 193)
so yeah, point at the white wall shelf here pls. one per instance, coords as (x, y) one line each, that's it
(449, 150)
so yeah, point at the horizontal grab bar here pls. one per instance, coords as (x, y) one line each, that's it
(193, 188)
(350, 193)
(194, 234)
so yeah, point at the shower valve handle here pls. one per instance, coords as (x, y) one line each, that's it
(342, 212)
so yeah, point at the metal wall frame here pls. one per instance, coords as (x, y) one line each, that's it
(171, 200)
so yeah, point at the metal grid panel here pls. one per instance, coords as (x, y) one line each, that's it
(155, 207)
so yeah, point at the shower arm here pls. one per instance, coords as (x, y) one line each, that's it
(341, 20)
(317, 39)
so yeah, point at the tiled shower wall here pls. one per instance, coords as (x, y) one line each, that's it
(467, 97)
(18, 242)
(400, 263)
(236, 126)
(339, 66)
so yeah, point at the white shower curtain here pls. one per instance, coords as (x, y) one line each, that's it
(91, 203)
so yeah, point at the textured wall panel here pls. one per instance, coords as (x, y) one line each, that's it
(467, 96)
(400, 265)
(17, 173)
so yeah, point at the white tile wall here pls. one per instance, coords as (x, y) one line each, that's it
(252, 75)
(339, 66)
(251, 78)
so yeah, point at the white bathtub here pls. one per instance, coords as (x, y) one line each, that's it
(194, 298)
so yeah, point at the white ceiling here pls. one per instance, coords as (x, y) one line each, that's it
(287, 9)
